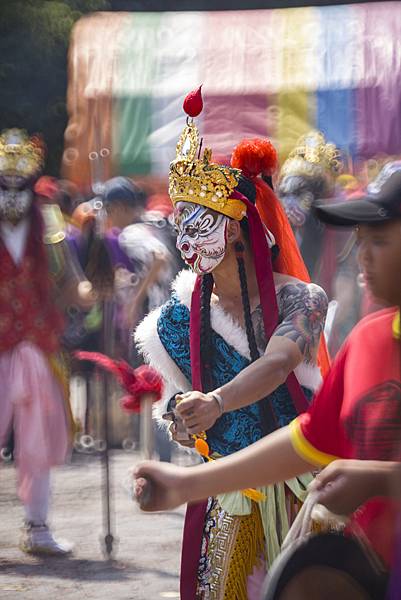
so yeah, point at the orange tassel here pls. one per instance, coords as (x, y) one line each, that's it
(202, 447)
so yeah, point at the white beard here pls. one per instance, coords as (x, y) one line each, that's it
(15, 204)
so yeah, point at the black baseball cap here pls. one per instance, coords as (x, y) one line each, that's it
(382, 202)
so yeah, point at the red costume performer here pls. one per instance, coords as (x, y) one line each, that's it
(37, 279)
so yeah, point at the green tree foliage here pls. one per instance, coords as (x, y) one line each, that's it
(34, 37)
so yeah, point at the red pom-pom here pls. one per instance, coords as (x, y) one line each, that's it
(193, 103)
(148, 381)
(255, 157)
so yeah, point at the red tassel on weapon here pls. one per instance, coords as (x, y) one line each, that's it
(143, 381)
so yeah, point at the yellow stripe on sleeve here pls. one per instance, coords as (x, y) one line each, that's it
(305, 449)
(396, 326)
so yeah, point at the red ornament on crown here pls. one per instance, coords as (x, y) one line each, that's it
(193, 103)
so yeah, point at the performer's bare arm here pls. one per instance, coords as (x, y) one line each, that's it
(269, 460)
(296, 339)
(263, 376)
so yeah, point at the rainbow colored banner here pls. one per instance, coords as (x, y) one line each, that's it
(276, 73)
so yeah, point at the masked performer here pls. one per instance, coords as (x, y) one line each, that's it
(306, 177)
(230, 311)
(37, 279)
(355, 415)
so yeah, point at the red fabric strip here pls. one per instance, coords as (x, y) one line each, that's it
(191, 549)
(264, 270)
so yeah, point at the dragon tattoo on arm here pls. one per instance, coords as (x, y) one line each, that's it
(302, 309)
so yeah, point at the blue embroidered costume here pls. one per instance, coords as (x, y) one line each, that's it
(237, 429)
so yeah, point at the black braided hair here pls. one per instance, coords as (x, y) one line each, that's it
(250, 333)
(206, 345)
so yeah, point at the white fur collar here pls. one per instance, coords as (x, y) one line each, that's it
(155, 354)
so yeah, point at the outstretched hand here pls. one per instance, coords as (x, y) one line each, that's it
(160, 486)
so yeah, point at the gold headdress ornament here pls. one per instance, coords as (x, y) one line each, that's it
(20, 155)
(196, 179)
(312, 157)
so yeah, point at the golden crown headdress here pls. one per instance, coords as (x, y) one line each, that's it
(312, 157)
(20, 155)
(196, 179)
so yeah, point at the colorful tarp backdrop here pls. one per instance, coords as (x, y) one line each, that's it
(276, 73)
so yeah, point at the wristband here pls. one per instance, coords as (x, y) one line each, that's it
(219, 401)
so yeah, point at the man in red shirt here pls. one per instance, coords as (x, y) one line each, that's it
(357, 412)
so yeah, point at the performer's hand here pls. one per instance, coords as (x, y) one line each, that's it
(159, 486)
(347, 484)
(198, 411)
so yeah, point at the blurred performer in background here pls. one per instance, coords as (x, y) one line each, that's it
(150, 245)
(132, 260)
(132, 243)
(231, 311)
(307, 177)
(130, 236)
(38, 279)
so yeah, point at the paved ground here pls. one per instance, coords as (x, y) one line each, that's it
(146, 563)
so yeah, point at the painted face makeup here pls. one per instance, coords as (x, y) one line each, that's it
(296, 198)
(201, 236)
